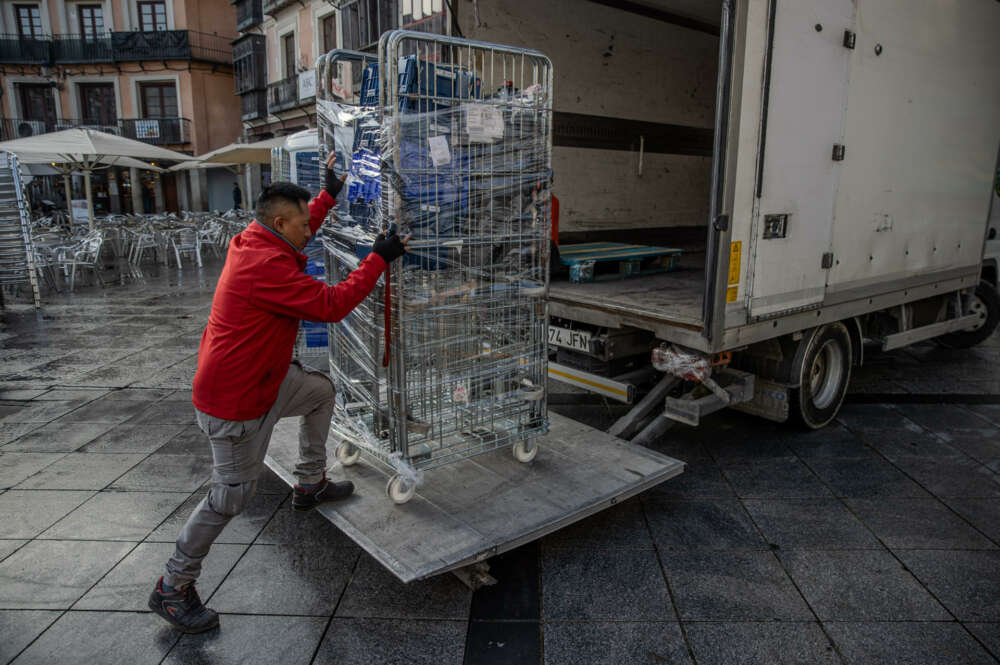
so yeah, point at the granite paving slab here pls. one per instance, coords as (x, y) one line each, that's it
(282, 579)
(809, 524)
(869, 476)
(375, 592)
(166, 473)
(622, 643)
(252, 640)
(983, 514)
(364, 641)
(53, 574)
(982, 445)
(128, 585)
(701, 480)
(11, 431)
(920, 643)
(8, 547)
(622, 585)
(872, 416)
(166, 412)
(988, 635)
(906, 442)
(108, 638)
(116, 516)
(44, 412)
(942, 417)
(57, 438)
(770, 643)
(80, 471)
(701, 524)
(134, 439)
(860, 585)
(622, 526)
(966, 582)
(918, 524)
(774, 478)
(16, 467)
(19, 628)
(952, 477)
(25, 514)
(103, 411)
(732, 586)
(138, 394)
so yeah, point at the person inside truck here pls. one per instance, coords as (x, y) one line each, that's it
(246, 378)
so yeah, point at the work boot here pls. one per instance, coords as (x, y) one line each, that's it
(182, 608)
(303, 499)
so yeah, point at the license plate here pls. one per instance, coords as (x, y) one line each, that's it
(578, 340)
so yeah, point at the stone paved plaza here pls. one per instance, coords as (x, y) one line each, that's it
(872, 541)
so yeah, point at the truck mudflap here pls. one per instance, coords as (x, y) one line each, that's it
(471, 510)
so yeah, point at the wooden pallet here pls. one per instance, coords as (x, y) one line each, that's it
(600, 261)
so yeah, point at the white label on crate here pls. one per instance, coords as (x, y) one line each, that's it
(483, 123)
(439, 150)
(429, 208)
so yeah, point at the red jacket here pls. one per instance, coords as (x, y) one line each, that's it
(262, 293)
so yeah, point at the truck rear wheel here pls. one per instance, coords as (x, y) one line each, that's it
(985, 302)
(823, 370)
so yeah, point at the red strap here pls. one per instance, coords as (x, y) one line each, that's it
(388, 314)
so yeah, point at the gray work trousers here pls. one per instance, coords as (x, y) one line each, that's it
(238, 450)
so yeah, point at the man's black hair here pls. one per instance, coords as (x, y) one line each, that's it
(278, 192)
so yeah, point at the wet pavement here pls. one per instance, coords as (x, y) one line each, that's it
(875, 540)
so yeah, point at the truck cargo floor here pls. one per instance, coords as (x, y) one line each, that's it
(672, 297)
(474, 509)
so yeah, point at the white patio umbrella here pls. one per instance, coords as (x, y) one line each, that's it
(88, 149)
(244, 153)
(240, 154)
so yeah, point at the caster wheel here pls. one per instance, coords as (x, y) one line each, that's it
(400, 490)
(523, 453)
(347, 454)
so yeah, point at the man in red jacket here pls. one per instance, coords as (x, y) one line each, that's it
(246, 378)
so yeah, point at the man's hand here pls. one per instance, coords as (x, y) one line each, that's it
(390, 248)
(332, 183)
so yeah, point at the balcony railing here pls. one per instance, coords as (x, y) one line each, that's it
(283, 95)
(76, 48)
(248, 14)
(117, 47)
(254, 105)
(16, 50)
(158, 131)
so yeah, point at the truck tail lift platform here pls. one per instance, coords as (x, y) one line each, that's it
(485, 505)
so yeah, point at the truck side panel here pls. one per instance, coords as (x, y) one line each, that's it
(923, 125)
(804, 119)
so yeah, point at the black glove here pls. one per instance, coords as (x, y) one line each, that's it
(390, 248)
(332, 184)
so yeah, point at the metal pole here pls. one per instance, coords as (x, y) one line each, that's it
(69, 191)
(90, 197)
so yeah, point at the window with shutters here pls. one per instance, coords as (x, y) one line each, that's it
(29, 21)
(158, 100)
(152, 16)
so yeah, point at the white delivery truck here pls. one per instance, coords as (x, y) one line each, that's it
(843, 200)
(826, 166)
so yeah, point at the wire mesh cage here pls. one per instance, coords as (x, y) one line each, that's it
(17, 256)
(450, 143)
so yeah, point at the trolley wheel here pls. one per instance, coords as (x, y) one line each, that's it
(348, 454)
(523, 453)
(400, 490)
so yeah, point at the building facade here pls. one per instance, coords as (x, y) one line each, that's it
(278, 44)
(158, 71)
